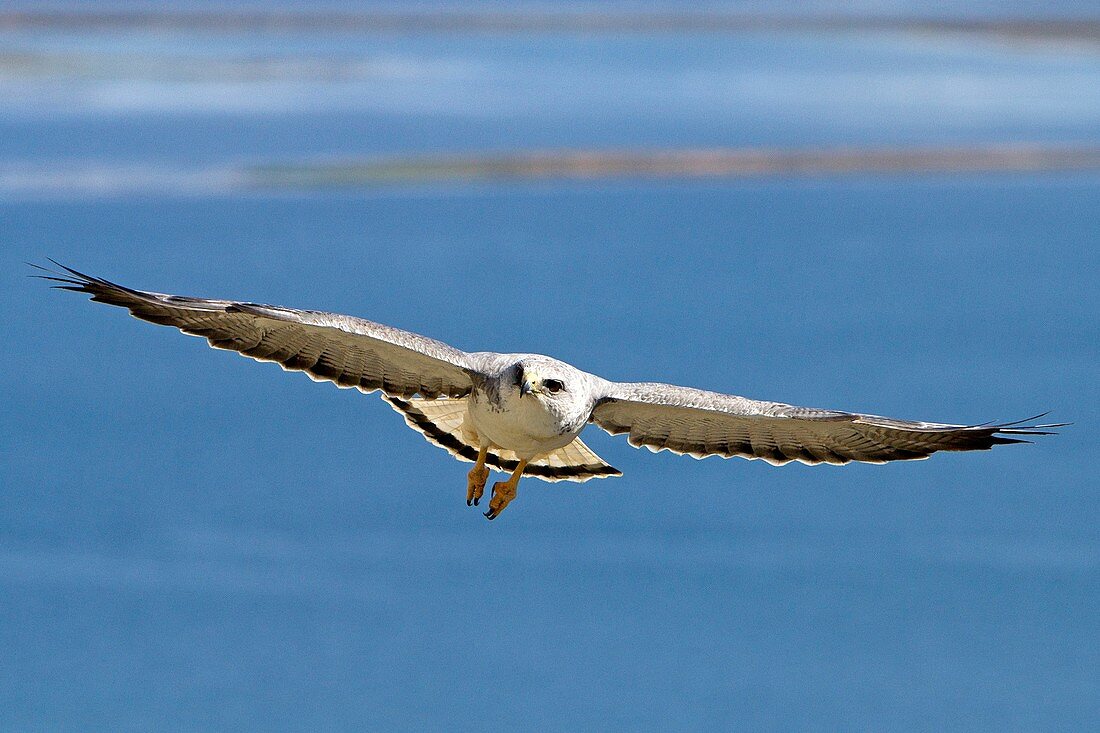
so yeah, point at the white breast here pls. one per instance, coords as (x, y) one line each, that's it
(520, 424)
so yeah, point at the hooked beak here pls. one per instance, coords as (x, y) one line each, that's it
(525, 388)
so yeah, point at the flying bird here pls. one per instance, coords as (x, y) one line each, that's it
(523, 413)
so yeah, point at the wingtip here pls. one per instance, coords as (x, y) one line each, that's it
(74, 281)
(1027, 426)
(67, 271)
(74, 273)
(1040, 416)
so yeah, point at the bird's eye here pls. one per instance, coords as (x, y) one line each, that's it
(553, 386)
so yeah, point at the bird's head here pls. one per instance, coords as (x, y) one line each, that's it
(556, 388)
(539, 381)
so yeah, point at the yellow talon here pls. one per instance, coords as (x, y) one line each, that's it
(504, 492)
(475, 481)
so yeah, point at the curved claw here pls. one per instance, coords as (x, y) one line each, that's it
(503, 493)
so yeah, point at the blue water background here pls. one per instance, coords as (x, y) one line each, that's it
(193, 541)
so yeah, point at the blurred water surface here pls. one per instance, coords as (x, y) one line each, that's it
(190, 540)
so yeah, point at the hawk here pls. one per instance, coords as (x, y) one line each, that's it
(523, 413)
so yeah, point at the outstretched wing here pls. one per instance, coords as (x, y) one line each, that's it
(699, 423)
(351, 352)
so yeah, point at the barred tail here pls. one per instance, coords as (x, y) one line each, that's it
(443, 422)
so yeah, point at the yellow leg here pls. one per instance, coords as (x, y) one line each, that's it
(504, 492)
(475, 481)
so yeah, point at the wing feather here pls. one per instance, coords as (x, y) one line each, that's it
(348, 351)
(700, 423)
